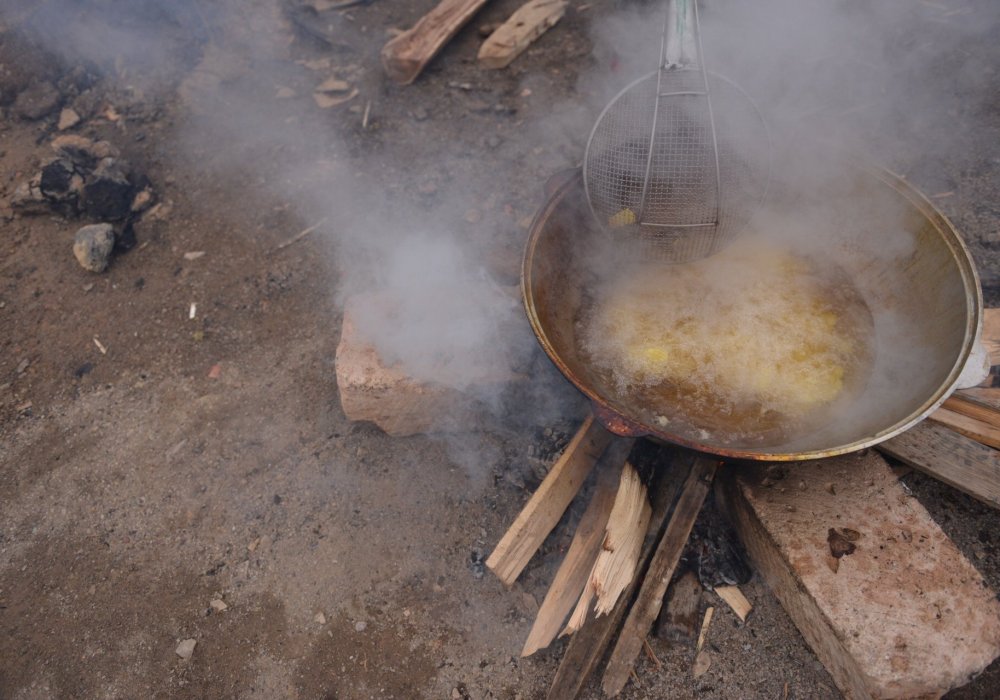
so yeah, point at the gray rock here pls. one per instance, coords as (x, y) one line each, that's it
(28, 198)
(186, 648)
(92, 246)
(38, 100)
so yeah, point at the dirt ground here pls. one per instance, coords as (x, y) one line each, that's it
(207, 458)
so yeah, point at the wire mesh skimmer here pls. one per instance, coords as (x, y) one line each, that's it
(679, 160)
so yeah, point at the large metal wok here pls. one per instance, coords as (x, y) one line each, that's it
(906, 259)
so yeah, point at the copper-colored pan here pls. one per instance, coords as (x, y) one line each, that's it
(927, 290)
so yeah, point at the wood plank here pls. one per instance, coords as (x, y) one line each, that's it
(949, 457)
(978, 430)
(587, 646)
(511, 38)
(405, 56)
(547, 505)
(989, 396)
(903, 615)
(973, 408)
(679, 618)
(661, 569)
(575, 567)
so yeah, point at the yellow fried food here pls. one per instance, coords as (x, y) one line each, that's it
(748, 324)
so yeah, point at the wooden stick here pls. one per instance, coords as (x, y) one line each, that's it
(549, 502)
(576, 566)
(661, 570)
(299, 236)
(527, 23)
(405, 56)
(952, 458)
(587, 646)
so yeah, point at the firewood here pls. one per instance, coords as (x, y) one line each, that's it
(972, 427)
(661, 570)
(736, 601)
(406, 55)
(575, 569)
(679, 618)
(903, 615)
(587, 646)
(615, 564)
(949, 457)
(528, 23)
(549, 502)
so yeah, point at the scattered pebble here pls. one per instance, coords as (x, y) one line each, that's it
(23, 365)
(419, 113)
(186, 648)
(218, 605)
(702, 662)
(320, 618)
(68, 118)
(92, 246)
(477, 562)
(360, 626)
(142, 201)
(194, 254)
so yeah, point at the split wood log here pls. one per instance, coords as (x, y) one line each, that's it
(949, 457)
(679, 618)
(575, 568)
(618, 555)
(512, 37)
(587, 646)
(405, 56)
(904, 614)
(547, 505)
(661, 569)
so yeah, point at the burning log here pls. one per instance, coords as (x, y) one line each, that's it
(904, 615)
(405, 56)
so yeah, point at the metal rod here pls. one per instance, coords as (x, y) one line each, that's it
(711, 115)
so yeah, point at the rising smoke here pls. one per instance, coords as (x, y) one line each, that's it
(902, 81)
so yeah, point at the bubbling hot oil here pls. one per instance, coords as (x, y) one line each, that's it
(752, 346)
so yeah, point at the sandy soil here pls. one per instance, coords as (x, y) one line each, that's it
(208, 458)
